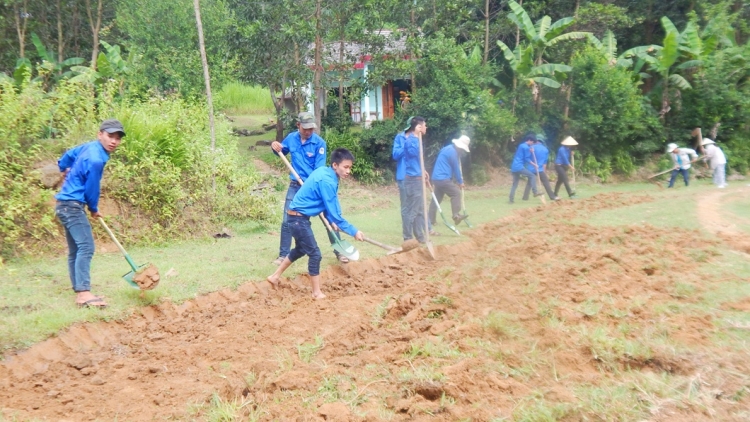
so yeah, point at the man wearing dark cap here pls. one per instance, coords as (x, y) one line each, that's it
(82, 168)
(308, 152)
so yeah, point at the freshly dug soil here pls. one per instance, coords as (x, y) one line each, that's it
(147, 278)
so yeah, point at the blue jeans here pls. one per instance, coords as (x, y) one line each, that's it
(304, 243)
(517, 177)
(285, 243)
(80, 240)
(685, 176)
(412, 209)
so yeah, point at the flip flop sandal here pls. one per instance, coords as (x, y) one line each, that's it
(342, 259)
(91, 303)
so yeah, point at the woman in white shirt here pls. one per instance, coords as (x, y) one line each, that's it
(716, 159)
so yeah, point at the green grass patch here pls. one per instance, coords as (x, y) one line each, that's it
(240, 98)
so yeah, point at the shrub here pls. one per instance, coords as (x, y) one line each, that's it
(601, 168)
(239, 98)
(363, 169)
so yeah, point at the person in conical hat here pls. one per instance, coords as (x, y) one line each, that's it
(682, 158)
(716, 160)
(563, 163)
(447, 169)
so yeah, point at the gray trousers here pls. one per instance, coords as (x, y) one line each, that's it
(545, 182)
(442, 188)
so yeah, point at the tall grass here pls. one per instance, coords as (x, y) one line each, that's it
(238, 98)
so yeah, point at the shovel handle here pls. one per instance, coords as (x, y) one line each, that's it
(119, 246)
(382, 245)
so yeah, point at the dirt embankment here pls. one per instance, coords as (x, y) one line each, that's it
(530, 310)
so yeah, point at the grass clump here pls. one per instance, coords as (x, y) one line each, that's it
(239, 98)
(380, 312)
(307, 351)
(501, 325)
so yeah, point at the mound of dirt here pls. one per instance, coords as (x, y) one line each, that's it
(531, 314)
(147, 278)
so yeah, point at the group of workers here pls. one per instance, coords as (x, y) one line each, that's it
(313, 190)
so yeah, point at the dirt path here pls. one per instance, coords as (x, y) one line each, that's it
(530, 314)
(721, 223)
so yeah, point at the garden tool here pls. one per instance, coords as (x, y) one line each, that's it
(463, 203)
(430, 248)
(143, 277)
(392, 249)
(440, 210)
(573, 164)
(538, 179)
(339, 245)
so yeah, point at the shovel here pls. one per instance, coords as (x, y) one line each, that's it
(339, 245)
(538, 178)
(430, 248)
(463, 203)
(144, 277)
(392, 249)
(440, 210)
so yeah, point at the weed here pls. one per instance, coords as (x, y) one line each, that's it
(380, 312)
(250, 379)
(221, 410)
(442, 300)
(421, 373)
(284, 359)
(589, 308)
(537, 409)
(307, 351)
(501, 325)
(430, 349)
(682, 290)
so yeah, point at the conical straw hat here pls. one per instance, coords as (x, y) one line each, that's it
(569, 141)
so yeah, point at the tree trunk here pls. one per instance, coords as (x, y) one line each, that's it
(95, 27)
(486, 31)
(413, 75)
(21, 17)
(278, 104)
(60, 40)
(207, 78)
(518, 28)
(341, 73)
(317, 76)
(298, 99)
(664, 99)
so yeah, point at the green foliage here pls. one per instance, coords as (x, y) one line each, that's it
(364, 168)
(601, 168)
(623, 163)
(377, 142)
(239, 98)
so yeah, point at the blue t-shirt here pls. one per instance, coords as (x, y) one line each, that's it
(86, 163)
(305, 157)
(319, 194)
(521, 157)
(541, 153)
(563, 156)
(398, 155)
(447, 165)
(412, 165)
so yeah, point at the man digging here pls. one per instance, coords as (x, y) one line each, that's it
(682, 158)
(82, 168)
(318, 195)
(447, 166)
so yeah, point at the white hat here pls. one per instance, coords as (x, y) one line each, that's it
(569, 141)
(462, 142)
(671, 147)
(707, 141)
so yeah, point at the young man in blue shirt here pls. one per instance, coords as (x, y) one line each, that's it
(308, 153)
(447, 167)
(407, 153)
(318, 194)
(540, 156)
(518, 167)
(83, 167)
(562, 164)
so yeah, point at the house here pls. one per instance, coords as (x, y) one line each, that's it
(350, 67)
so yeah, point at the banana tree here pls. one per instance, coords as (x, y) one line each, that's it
(50, 63)
(525, 71)
(629, 58)
(109, 65)
(539, 37)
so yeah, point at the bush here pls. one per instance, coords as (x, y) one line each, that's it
(239, 98)
(363, 169)
(601, 168)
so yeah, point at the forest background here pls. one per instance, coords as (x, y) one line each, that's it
(623, 77)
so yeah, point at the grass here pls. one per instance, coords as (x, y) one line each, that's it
(307, 351)
(239, 98)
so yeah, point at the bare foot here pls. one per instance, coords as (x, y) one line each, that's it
(318, 296)
(274, 281)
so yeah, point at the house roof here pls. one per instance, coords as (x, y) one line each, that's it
(380, 42)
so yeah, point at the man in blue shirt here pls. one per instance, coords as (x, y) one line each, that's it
(82, 167)
(562, 164)
(447, 166)
(318, 194)
(308, 152)
(407, 153)
(521, 159)
(397, 154)
(540, 156)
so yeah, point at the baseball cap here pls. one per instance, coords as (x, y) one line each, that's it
(112, 126)
(307, 120)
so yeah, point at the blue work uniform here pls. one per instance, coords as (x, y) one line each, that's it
(541, 153)
(318, 195)
(412, 213)
(305, 158)
(563, 156)
(80, 189)
(447, 166)
(562, 162)
(518, 168)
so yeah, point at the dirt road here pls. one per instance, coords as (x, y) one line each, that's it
(531, 317)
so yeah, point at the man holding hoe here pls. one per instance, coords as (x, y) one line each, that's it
(308, 153)
(447, 166)
(82, 168)
(318, 195)
(682, 158)
(521, 159)
(406, 153)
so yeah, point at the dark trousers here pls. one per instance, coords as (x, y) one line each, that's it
(80, 240)
(685, 176)
(412, 213)
(562, 178)
(285, 243)
(545, 182)
(442, 188)
(517, 177)
(304, 243)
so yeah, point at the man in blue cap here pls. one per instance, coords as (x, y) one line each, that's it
(318, 195)
(521, 159)
(308, 153)
(82, 168)
(540, 157)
